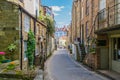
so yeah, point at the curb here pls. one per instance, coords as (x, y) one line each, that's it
(79, 64)
(105, 75)
(89, 69)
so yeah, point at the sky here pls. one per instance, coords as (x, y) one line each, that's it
(61, 10)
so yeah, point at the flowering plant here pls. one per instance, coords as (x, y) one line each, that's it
(11, 66)
(2, 57)
(13, 63)
(2, 53)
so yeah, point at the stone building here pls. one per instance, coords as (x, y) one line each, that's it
(15, 24)
(99, 30)
(50, 40)
(83, 15)
(107, 29)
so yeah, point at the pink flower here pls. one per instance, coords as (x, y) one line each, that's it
(2, 53)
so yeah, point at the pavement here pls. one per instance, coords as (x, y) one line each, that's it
(60, 66)
(110, 74)
(39, 75)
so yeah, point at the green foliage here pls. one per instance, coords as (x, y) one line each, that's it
(11, 67)
(50, 25)
(12, 47)
(92, 50)
(49, 22)
(19, 72)
(42, 17)
(2, 57)
(30, 48)
(11, 51)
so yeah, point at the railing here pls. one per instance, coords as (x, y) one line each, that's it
(107, 17)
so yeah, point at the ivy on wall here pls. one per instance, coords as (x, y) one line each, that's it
(30, 48)
(49, 21)
(50, 25)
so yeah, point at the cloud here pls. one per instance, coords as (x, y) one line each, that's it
(56, 14)
(57, 8)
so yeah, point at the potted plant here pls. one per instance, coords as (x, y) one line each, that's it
(11, 49)
(2, 57)
(70, 51)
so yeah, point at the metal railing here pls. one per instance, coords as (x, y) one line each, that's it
(108, 17)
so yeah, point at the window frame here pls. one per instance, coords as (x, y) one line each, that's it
(87, 29)
(26, 23)
(87, 7)
(25, 49)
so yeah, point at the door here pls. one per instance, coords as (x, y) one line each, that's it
(104, 56)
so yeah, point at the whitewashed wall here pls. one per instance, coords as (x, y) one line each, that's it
(31, 6)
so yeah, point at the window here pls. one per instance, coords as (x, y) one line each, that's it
(102, 4)
(102, 13)
(25, 49)
(82, 13)
(37, 29)
(87, 29)
(36, 51)
(82, 33)
(87, 7)
(116, 49)
(26, 23)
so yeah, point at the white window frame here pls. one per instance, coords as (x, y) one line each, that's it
(25, 49)
(26, 23)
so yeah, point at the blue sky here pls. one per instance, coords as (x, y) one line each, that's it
(61, 9)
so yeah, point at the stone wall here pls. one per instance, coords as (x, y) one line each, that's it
(9, 26)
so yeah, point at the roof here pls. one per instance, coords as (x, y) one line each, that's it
(65, 29)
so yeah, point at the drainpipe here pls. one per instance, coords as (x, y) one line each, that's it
(35, 37)
(21, 38)
(35, 34)
(46, 45)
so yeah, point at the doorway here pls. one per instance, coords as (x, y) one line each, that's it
(116, 49)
